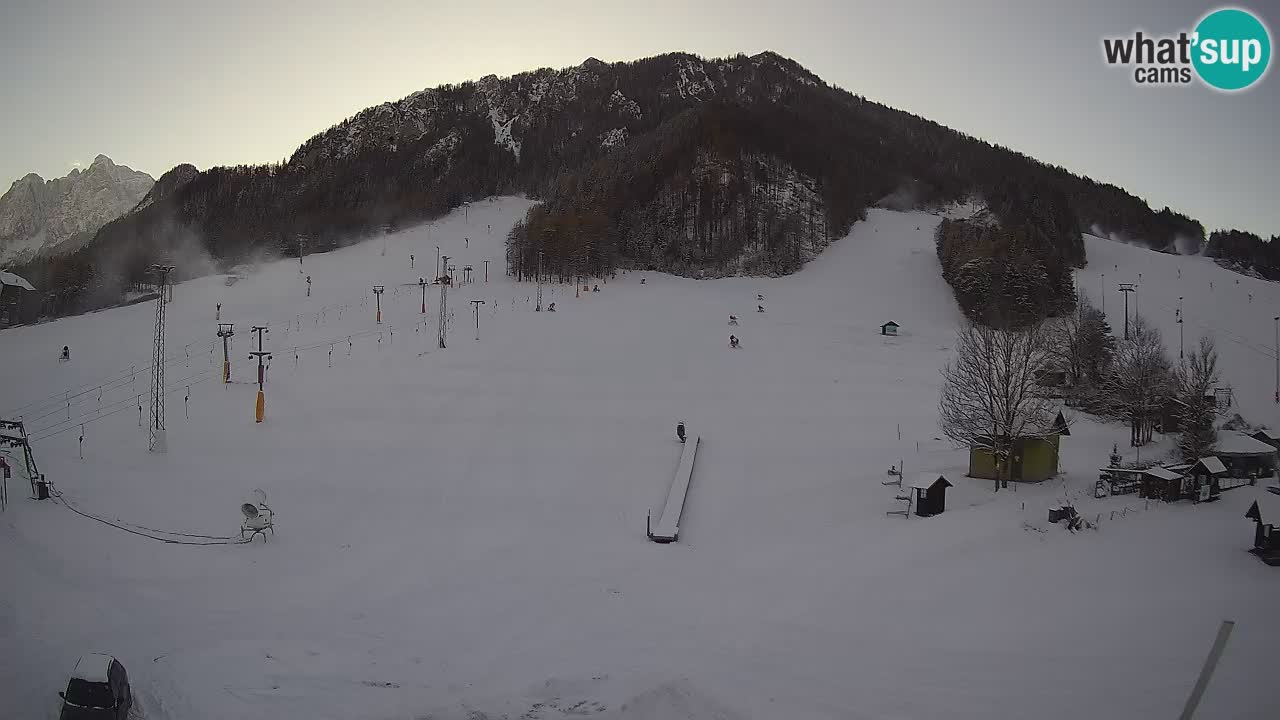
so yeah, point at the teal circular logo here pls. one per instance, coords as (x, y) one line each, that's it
(1232, 49)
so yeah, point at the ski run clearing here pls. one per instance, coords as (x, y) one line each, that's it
(460, 533)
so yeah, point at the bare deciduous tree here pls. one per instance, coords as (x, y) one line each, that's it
(990, 396)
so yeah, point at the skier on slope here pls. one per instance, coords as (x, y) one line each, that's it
(733, 342)
(66, 354)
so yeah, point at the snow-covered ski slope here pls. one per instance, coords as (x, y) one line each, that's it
(1236, 310)
(460, 532)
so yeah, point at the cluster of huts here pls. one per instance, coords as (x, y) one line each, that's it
(1238, 459)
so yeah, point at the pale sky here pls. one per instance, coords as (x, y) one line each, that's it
(154, 84)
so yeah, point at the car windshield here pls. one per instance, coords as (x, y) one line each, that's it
(89, 694)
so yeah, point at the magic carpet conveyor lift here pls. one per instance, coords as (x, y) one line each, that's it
(668, 529)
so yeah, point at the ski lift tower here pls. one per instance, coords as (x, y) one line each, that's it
(444, 301)
(155, 429)
(538, 306)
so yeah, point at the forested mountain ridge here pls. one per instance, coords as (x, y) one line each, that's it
(721, 166)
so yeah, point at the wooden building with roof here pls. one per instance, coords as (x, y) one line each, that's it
(1034, 459)
(929, 494)
(1246, 458)
(1265, 513)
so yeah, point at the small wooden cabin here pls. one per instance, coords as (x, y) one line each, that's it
(889, 328)
(1265, 513)
(929, 494)
(1161, 483)
(1204, 476)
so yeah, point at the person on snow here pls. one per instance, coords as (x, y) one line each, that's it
(759, 296)
(641, 281)
(551, 307)
(733, 319)
(759, 308)
(66, 353)
(680, 430)
(733, 341)
(595, 289)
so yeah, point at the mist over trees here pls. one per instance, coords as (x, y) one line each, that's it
(677, 163)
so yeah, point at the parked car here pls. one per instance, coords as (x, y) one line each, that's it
(98, 690)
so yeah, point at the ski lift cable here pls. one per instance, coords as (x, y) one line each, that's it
(169, 541)
(48, 432)
(128, 399)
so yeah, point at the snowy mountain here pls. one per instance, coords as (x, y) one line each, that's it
(39, 216)
(702, 167)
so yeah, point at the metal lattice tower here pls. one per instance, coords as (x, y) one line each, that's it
(155, 428)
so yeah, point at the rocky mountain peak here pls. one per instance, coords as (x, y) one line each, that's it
(39, 216)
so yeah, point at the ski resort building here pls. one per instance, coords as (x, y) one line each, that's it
(1035, 458)
(18, 299)
(1245, 456)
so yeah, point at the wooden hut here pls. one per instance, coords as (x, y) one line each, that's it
(1161, 483)
(1204, 475)
(889, 328)
(929, 494)
(1265, 513)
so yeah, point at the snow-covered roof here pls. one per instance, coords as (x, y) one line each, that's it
(1212, 464)
(8, 278)
(92, 668)
(1269, 434)
(1162, 473)
(891, 323)
(924, 481)
(1269, 507)
(1234, 443)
